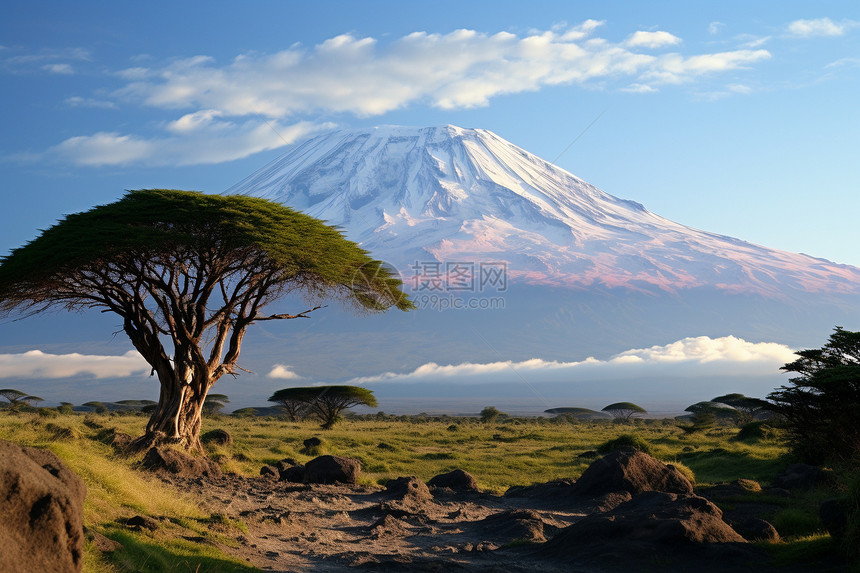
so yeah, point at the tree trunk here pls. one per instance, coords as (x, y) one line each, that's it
(177, 418)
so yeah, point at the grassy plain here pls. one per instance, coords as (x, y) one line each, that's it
(513, 451)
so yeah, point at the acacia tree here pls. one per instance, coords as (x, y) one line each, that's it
(747, 408)
(17, 398)
(820, 406)
(624, 410)
(327, 402)
(188, 273)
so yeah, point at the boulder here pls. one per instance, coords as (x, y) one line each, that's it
(653, 517)
(175, 462)
(102, 543)
(408, 490)
(755, 529)
(293, 474)
(331, 469)
(218, 436)
(631, 471)
(457, 480)
(270, 472)
(41, 502)
(514, 524)
(140, 522)
(312, 443)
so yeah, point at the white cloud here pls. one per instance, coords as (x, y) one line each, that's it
(658, 39)
(63, 69)
(715, 27)
(223, 103)
(77, 101)
(283, 372)
(819, 27)
(727, 354)
(462, 69)
(38, 364)
(194, 139)
(676, 69)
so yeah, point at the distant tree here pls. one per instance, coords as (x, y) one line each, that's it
(326, 402)
(18, 399)
(746, 408)
(820, 406)
(66, 408)
(624, 410)
(214, 403)
(98, 407)
(136, 405)
(490, 414)
(296, 410)
(188, 273)
(576, 412)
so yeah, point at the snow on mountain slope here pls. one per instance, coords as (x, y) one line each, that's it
(417, 195)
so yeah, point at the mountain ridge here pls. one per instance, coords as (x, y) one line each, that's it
(447, 193)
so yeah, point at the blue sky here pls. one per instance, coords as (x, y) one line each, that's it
(734, 117)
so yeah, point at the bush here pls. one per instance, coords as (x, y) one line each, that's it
(754, 431)
(625, 441)
(685, 471)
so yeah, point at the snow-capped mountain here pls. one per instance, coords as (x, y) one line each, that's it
(417, 195)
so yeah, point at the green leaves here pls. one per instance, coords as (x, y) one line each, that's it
(163, 227)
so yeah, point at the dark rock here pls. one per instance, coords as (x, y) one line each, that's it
(102, 543)
(270, 471)
(312, 443)
(41, 504)
(293, 474)
(175, 462)
(218, 436)
(388, 526)
(651, 517)
(458, 480)
(834, 516)
(631, 471)
(515, 524)
(331, 469)
(408, 489)
(139, 522)
(549, 490)
(754, 529)
(801, 476)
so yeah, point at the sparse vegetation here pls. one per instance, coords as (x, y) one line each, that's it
(624, 411)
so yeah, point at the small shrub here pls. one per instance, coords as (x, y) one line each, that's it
(453, 428)
(685, 471)
(754, 431)
(794, 521)
(625, 441)
(386, 447)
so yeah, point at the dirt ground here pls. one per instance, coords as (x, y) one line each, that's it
(328, 528)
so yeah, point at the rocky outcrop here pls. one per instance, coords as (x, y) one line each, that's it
(331, 469)
(652, 525)
(630, 471)
(41, 504)
(457, 480)
(175, 462)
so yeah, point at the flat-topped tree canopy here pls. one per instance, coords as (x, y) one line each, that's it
(192, 270)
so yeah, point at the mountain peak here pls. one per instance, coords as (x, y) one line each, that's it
(446, 193)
